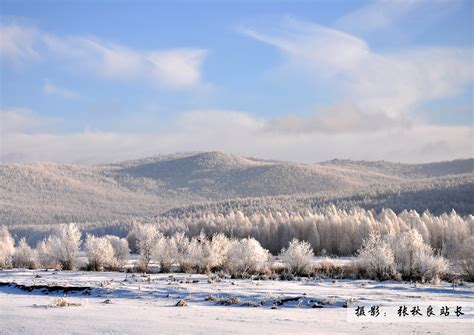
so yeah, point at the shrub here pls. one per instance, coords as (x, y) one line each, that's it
(121, 249)
(201, 254)
(179, 244)
(415, 259)
(7, 247)
(376, 257)
(432, 267)
(148, 238)
(165, 253)
(63, 246)
(216, 252)
(44, 256)
(24, 256)
(246, 257)
(298, 257)
(195, 253)
(100, 253)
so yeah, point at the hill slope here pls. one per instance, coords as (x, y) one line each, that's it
(51, 193)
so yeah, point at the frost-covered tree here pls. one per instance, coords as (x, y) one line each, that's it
(416, 259)
(121, 249)
(338, 230)
(274, 222)
(196, 253)
(100, 253)
(216, 251)
(376, 257)
(297, 257)
(207, 254)
(246, 257)
(148, 239)
(432, 267)
(179, 245)
(44, 255)
(24, 256)
(63, 246)
(188, 254)
(165, 253)
(7, 247)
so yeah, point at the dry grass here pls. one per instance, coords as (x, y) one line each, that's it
(330, 268)
(62, 302)
(224, 301)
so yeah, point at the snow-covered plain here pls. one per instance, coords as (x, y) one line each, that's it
(121, 303)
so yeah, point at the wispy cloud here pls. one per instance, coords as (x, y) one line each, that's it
(50, 88)
(394, 82)
(172, 68)
(18, 43)
(382, 14)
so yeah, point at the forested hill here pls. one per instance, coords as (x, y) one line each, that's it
(43, 192)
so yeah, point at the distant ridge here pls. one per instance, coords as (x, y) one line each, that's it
(51, 193)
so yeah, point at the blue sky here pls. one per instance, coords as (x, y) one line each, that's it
(88, 82)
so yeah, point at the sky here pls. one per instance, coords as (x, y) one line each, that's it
(88, 82)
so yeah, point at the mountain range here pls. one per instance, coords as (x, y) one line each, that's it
(43, 193)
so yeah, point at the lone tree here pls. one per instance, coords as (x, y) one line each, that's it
(64, 245)
(148, 239)
(297, 257)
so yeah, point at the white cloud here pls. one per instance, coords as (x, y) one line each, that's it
(50, 88)
(172, 68)
(177, 68)
(340, 118)
(18, 120)
(378, 14)
(394, 83)
(382, 14)
(238, 133)
(110, 60)
(18, 43)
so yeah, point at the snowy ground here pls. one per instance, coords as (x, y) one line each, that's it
(119, 303)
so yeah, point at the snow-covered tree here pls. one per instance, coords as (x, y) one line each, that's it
(196, 253)
(338, 230)
(24, 256)
(63, 246)
(416, 259)
(7, 247)
(216, 251)
(165, 253)
(100, 253)
(274, 222)
(246, 257)
(44, 254)
(121, 249)
(179, 245)
(376, 257)
(432, 267)
(297, 257)
(148, 239)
